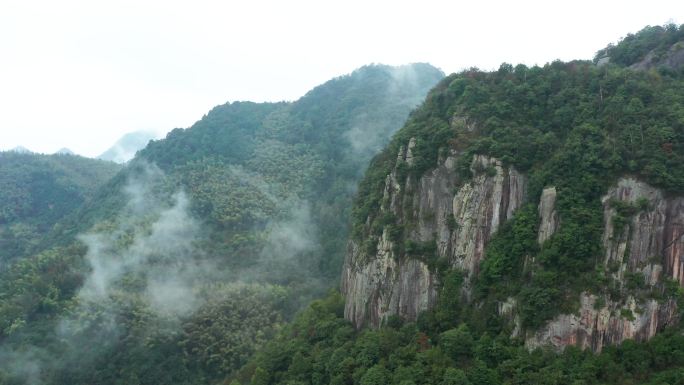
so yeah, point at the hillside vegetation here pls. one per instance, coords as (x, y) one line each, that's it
(36, 191)
(576, 126)
(206, 243)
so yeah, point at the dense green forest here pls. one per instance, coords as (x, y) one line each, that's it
(206, 243)
(193, 263)
(576, 126)
(572, 125)
(36, 191)
(634, 47)
(321, 347)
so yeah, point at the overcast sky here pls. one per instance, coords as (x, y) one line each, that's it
(79, 74)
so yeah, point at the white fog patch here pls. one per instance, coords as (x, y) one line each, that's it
(163, 255)
(171, 295)
(140, 191)
(290, 251)
(294, 235)
(161, 252)
(25, 364)
(368, 136)
(147, 260)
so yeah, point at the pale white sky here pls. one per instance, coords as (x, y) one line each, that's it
(79, 74)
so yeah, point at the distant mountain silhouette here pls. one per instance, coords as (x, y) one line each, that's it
(125, 148)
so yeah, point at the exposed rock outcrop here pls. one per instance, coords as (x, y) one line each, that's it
(385, 286)
(479, 208)
(548, 215)
(459, 217)
(595, 327)
(643, 240)
(648, 247)
(673, 58)
(603, 61)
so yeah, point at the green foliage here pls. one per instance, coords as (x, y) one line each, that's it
(38, 288)
(247, 164)
(634, 47)
(539, 302)
(270, 185)
(572, 125)
(405, 355)
(228, 131)
(376, 375)
(506, 252)
(627, 314)
(425, 252)
(260, 377)
(624, 211)
(457, 343)
(558, 121)
(447, 312)
(453, 376)
(230, 326)
(36, 191)
(207, 345)
(634, 281)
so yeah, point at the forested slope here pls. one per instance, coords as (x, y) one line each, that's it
(36, 191)
(524, 226)
(201, 248)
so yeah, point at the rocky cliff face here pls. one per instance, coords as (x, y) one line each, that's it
(673, 58)
(643, 249)
(458, 218)
(547, 213)
(643, 242)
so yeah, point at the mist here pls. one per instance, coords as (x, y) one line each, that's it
(126, 147)
(189, 247)
(368, 134)
(146, 259)
(149, 260)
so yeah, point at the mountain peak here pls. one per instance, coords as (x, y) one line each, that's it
(21, 150)
(64, 151)
(125, 148)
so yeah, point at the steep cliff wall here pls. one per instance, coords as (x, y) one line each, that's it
(673, 58)
(643, 240)
(458, 218)
(547, 214)
(522, 166)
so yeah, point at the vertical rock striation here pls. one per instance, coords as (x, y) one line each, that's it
(458, 217)
(548, 215)
(643, 239)
(647, 249)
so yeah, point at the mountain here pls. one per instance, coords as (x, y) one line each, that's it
(125, 148)
(531, 204)
(207, 242)
(36, 191)
(525, 226)
(64, 151)
(21, 150)
(652, 47)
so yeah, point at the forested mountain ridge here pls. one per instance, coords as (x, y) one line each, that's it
(583, 153)
(523, 227)
(206, 242)
(254, 154)
(651, 47)
(36, 191)
(522, 222)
